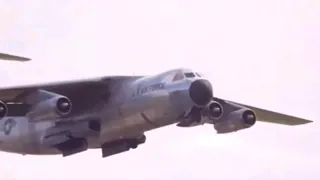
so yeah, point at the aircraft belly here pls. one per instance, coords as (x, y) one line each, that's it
(161, 113)
(140, 115)
(35, 144)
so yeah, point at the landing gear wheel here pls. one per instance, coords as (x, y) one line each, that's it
(142, 139)
(132, 143)
(195, 114)
(72, 146)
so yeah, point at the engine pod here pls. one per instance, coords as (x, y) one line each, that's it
(52, 108)
(215, 110)
(237, 120)
(63, 105)
(249, 118)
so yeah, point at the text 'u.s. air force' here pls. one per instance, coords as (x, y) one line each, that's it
(149, 88)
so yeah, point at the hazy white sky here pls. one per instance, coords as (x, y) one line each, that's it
(263, 53)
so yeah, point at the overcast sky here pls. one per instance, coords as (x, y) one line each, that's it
(263, 53)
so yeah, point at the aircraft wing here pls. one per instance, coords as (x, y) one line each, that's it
(83, 94)
(265, 115)
(10, 57)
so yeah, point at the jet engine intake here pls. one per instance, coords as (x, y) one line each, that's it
(63, 105)
(51, 108)
(3, 109)
(237, 120)
(215, 110)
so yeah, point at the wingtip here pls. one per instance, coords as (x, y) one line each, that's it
(301, 122)
(9, 57)
(308, 121)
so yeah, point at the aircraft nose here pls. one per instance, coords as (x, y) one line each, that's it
(200, 92)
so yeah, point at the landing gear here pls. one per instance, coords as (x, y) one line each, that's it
(134, 143)
(121, 145)
(142, 139)
(72, 146)
(194, 116)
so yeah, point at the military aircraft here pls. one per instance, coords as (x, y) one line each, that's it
(112, 113)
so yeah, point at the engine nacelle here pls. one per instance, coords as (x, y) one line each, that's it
(215, 110)
(195, 117)
(237, 120)
(3, 109)
(51, 108)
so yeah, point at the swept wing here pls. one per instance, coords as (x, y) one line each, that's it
(262, 114)
(10, 57)
(84, 94)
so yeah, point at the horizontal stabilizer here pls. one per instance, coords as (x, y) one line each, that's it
(10, 57)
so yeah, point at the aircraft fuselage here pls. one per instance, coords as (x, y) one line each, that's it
(140, 105)
(112, 113)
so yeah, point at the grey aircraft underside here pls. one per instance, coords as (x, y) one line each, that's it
(113, 113)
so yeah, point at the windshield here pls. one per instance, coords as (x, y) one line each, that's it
(178, 76)
(198, 74)
(189, 75)
(173, 76)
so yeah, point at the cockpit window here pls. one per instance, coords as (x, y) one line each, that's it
(173, 77)
(190, 75)
(168, 77)
(178, 76)
(198, 74)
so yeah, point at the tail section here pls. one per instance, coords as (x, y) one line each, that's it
(10, 57)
